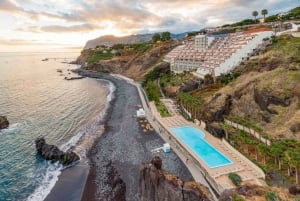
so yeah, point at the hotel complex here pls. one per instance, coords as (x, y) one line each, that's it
(216, 54)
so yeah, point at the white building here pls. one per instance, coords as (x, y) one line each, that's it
(215, 55)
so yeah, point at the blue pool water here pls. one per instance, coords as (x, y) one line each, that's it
(194, 139)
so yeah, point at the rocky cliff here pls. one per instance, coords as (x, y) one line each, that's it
(270, 99)
(53, 153)
(3, 122)
(267, 93)
(259, 193)
(159, 185)
(134, 65)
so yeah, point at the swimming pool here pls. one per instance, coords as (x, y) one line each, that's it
(194, 139)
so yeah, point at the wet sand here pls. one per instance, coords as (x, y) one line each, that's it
(123, 145)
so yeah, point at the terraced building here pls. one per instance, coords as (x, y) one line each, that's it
(216, 54)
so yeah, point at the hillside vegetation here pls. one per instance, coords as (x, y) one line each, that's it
(131, 60)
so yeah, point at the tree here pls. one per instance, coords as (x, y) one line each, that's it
(156, 37)
(264, 150)
(264, 12)
(165, 36)
(255, 14)
(294, 159)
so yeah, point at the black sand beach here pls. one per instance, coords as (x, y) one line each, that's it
(123, 147)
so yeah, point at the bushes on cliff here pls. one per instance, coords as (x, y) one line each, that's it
(237, 197)
(235, 178)
(271, 196)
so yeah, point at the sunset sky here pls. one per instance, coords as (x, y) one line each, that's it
(35, 25)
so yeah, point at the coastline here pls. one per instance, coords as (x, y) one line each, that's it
(123, 146)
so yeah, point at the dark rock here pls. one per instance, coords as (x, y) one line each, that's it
(156, 161)
(227, 195)
(294, 190)
(245, 190)
(3, 122)
(74, 78)
(219, 106)
(264, 99)
(159, 185)
(53, 153)
(215, 130)
(295, 127)
(191, 85)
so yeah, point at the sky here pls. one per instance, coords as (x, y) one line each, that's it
(51, 25)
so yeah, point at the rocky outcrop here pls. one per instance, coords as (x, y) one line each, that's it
(264, 99)
(133, 65)
(294, 190)
(215, 130)
(218, 107)
(254, 192)
(3, 122)
(295, 127)
(53, 153)
(159, 185)
(191, 85)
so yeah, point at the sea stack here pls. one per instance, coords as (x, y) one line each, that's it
(53, 153)
(3, 122)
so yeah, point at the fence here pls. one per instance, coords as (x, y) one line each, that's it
(252, 132)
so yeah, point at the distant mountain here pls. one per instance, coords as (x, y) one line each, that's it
(178, 36)
(109, 40)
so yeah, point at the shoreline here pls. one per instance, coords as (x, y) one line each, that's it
(121, 147)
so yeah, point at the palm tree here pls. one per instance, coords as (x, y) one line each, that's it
(264, 12)
(264, 150)
(255, 14)
(294, 156)
(277, 150)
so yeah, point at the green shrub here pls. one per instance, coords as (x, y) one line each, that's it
(152, 91)
(237, 197)
(235, 178)
(271, 196)
(162, 109)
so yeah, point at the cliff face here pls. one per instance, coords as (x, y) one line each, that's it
(158, 185)
(269, 99)
(133, 65)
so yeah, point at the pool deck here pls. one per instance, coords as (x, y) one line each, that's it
(217, 177)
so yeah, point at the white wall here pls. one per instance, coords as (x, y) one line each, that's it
(237, 57)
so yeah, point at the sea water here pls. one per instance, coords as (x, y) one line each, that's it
(39, 102)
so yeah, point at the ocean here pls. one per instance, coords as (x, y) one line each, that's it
(39, 102)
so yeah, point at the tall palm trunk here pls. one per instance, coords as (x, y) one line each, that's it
(297, 179)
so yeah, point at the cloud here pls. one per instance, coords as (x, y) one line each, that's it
(75, 28)
(71, 18)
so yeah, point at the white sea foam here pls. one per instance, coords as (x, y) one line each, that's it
(84, 135)
(82, 138)
(12, 128)
(49, 180)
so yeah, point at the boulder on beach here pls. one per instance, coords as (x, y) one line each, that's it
(3, 122)
(53, 153)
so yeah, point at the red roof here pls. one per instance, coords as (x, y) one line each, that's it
(261, 29)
